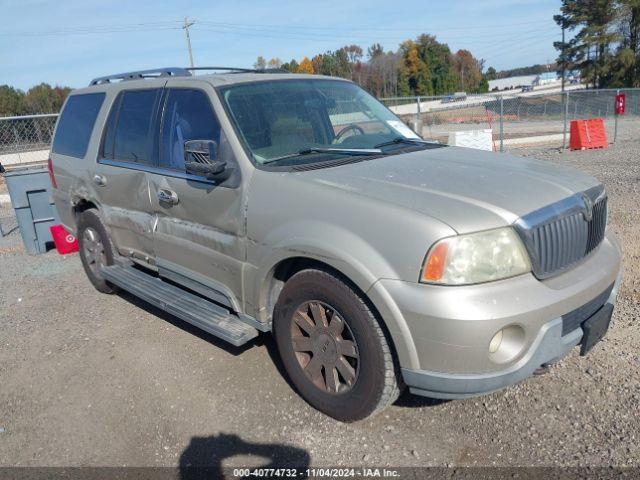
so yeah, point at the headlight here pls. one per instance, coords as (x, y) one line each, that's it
(476, 258)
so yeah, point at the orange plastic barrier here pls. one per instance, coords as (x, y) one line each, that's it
(587, 134)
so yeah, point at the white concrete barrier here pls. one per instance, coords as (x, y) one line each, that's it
(478, 139)
(24, 157)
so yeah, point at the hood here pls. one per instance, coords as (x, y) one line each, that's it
(470, 190)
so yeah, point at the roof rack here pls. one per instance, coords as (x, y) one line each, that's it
(155, 72)
(241, 70)
(176, 72)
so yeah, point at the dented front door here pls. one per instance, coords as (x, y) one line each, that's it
(199, 224)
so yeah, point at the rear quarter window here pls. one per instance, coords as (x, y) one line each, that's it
(76, 124)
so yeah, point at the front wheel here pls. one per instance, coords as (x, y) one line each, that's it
(96, 249)
(333, 347)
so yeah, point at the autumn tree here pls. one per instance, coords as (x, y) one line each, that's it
(468, 71)
(414, 75)
(260, 63)
(45, 99)
(305, 66)
(274, 63)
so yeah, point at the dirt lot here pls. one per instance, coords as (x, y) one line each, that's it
(89, 379)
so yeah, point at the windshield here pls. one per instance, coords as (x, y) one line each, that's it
(288, 118)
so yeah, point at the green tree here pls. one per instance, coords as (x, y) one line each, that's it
(591, 48)
(440, 63)
(45, 99)
(11, 101)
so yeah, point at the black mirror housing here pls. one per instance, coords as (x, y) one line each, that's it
(201, 151)
(200, 159)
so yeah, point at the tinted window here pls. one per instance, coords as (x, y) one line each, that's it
(110, 129)
(76, 124)
(188, 115)
(279, 118)
(132, 139)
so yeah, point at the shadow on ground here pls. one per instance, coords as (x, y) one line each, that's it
(204, 456)
(186, 326)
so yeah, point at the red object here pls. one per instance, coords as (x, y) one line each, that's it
(621, 103)
(65, 242)
(588, 134)
(52, 177)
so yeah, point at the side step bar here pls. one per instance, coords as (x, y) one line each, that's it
(196, 310)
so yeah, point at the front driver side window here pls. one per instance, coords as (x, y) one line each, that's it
(188, 115)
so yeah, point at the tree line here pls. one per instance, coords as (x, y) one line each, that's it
(422, 66)
(605, 42)
(42, 98)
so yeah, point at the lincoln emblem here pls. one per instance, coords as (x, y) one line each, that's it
(588, 212)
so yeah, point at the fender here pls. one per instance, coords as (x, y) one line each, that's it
(358, 261)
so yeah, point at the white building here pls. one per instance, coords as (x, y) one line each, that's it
(511, 82)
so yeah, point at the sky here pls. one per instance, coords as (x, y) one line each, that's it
(69, 42)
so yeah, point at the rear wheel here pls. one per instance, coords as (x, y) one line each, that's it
(333, 347)
(96, 249)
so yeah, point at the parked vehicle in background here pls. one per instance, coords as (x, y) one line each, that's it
(456, 97)
(527, 88)
(247, 202)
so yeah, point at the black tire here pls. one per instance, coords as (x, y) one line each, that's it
(376, 383)
(89, 221)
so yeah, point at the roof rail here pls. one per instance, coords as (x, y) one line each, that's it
(241, 70)
(155, 72)
(230, 69)
(176, 72)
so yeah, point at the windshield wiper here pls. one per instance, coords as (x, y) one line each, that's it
(397, 140)
(338, 151)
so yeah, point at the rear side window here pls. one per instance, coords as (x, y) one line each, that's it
(76, 124)
(129, 131)
(188, 115)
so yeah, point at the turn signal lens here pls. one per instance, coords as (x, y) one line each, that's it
(436, 261)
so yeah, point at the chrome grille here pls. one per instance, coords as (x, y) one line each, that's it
(561, 234)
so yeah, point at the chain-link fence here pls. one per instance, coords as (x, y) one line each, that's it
(514, 118)
(517, 118)
(25, 139)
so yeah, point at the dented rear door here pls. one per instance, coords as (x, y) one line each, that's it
(127, 151)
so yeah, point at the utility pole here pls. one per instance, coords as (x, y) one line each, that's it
(185, 27)
(563, 55)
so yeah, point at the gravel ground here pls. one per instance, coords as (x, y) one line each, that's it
(91, 379)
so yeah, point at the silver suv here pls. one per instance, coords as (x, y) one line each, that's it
(246, 202)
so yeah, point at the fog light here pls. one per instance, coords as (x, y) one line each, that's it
(494, 345)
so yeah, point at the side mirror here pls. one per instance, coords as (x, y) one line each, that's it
(200, 159)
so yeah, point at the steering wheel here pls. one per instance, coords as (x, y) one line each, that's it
(348, 128)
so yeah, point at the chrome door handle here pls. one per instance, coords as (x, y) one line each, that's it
(100, 180)
(168, 196)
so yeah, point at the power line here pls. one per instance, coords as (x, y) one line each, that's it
(306, 30)
(367, 28)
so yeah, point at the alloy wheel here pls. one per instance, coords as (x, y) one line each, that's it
(325, 347)
(93, 250)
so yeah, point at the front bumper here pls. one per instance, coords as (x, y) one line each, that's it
(450, 343)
